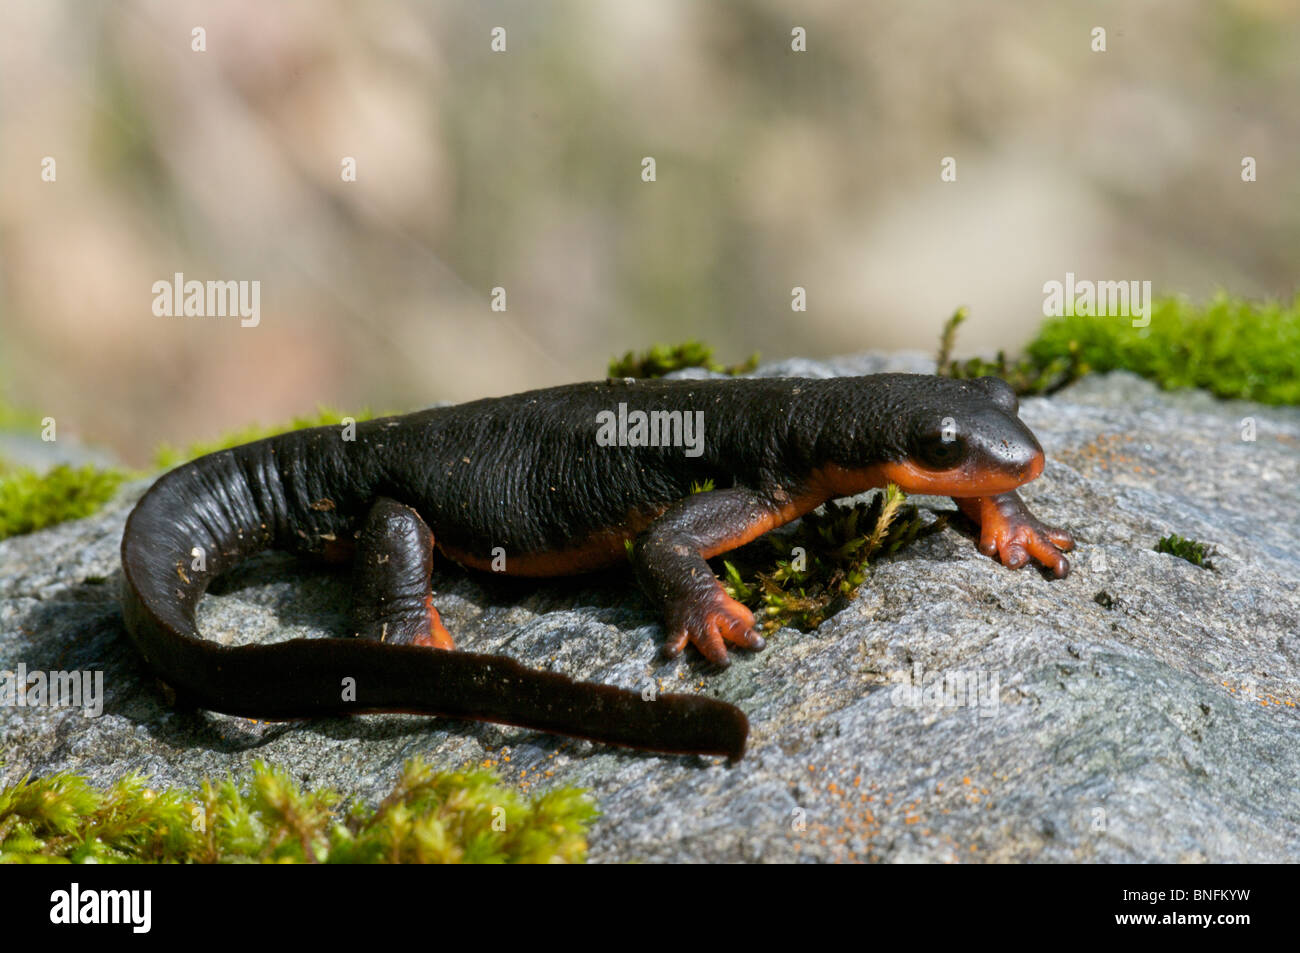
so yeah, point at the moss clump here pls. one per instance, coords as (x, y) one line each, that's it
(1198, 554)
(1229, 346)
(1026, 375)
(430, 817)
(820, 566)
(663, 359)
(167, 456)
(30, 501)
(1232, 347)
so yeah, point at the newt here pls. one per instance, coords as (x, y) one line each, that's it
(546, 483)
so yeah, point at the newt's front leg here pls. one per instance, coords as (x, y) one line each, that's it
(1011, 533)
(670, 564)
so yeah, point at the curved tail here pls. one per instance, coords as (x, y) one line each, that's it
(230, 505)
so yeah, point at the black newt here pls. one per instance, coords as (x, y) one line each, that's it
(545, 483)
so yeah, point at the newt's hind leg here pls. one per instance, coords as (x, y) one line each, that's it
(670, 564)
(393, 601)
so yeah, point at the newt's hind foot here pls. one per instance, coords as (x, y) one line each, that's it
(392, 599)
(425, 630)
(1012, 534)
(709, 625)
(401, 622)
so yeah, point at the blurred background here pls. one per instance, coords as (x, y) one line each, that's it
(523, 169)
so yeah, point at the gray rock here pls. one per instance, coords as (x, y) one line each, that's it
(1143, 709)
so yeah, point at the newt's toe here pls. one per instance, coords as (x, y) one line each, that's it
(710, 644)
(1045, 549)
(1061, 538)
(675, 643)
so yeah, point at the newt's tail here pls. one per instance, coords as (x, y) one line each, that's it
(225, 507)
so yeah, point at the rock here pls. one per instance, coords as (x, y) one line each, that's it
(1143, 709)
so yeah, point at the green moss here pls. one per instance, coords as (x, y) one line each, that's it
(1232, 347)
(1229, 346)
(167, 456)
(430, 817)
(821, 565)
(663, 359)
(1198, 554)
(1026, 376)
(30, 501)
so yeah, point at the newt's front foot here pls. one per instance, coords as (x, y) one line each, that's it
(708, 624)
(1014, 535)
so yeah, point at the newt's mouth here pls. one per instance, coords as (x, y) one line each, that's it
(968, 479)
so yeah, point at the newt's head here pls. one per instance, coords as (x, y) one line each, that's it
(967, 446)
(943, 437)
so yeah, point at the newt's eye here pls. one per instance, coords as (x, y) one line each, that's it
(940, 451)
